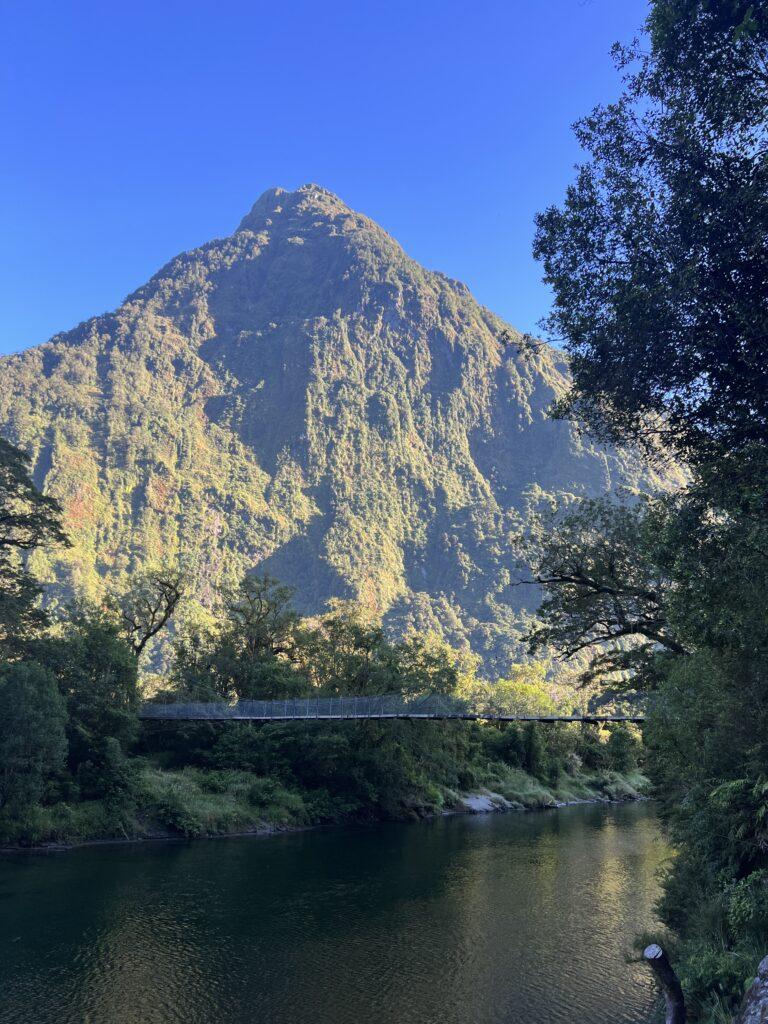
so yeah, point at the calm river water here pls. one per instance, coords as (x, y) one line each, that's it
(495, 919)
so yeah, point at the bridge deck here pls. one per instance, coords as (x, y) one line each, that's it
(432, 706)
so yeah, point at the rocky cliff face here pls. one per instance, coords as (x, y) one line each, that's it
(303, 397)
(755, 1007)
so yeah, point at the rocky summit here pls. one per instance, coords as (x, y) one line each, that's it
(304, 398)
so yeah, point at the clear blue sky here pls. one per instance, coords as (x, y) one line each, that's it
(135, 129)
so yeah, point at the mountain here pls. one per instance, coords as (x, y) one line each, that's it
(303, 397)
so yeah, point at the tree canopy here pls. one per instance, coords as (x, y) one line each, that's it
(658, 255)
(28, 520)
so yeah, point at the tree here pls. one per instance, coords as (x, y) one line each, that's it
(534, 750)
(345, 653)
(605, 575)
(28, 520)
(261, 619)
(96, 673)
(250, 656)
(147, 606)
(658, 256)
(32, 740)
(622, 748)
(523, 692)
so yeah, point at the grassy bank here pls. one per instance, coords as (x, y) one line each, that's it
(193, 802)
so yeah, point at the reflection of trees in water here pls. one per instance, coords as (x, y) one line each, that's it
(452, 920)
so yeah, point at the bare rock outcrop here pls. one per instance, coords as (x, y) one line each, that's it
(755, 1008)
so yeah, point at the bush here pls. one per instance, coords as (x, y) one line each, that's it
(277, 804)
(747, 907)
(96, 672)
(714, 979)
(622, 749)
(535, 758)
(591, 749)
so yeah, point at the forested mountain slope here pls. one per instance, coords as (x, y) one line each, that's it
(304, 397)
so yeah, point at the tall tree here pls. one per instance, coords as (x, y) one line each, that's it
(146, 608)
(32, 740)
(658, 256)
(605, 573)
(250, 655)
(28, 519)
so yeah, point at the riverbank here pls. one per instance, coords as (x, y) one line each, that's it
(200, 803)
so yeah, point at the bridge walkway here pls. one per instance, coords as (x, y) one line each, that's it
(431, 706)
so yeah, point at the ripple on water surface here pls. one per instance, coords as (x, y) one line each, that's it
(495, 919)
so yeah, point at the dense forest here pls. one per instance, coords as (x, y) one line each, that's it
(76, 762)
(304, 398)
(658, 258)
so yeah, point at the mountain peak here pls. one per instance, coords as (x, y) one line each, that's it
(303, 398)
(305, 199)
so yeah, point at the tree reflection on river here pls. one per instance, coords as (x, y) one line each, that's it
(495, 919)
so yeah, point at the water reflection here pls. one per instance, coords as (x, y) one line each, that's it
(500, 918)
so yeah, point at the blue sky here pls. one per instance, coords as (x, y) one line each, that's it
(135, 130)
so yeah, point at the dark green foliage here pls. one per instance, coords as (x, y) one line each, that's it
(245, 746)
(28, 519)
(506, 744)
(346, 652)
(593, 752)
(534, 751)
(249, 656)
(622, 749)
(659, 262)
(659, 255)
(96, 672)
(605, 578)
(32, 739)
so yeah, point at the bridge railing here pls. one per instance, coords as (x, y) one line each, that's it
(386, 706)
(392, 705)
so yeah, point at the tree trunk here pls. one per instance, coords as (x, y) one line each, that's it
(659, 963)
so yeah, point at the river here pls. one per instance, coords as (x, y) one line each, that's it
(488, 919)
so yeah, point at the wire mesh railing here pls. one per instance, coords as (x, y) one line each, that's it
(393, 705)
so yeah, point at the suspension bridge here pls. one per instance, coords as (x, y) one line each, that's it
(431, 706)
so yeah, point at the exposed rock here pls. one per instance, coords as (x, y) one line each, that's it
(485, 801)
(755, 1008)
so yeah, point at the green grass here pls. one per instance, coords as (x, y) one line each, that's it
(66, 823)
(194, 802)
(524, 789)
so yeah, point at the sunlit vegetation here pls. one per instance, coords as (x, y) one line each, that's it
(328, 412)
(76, 763)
